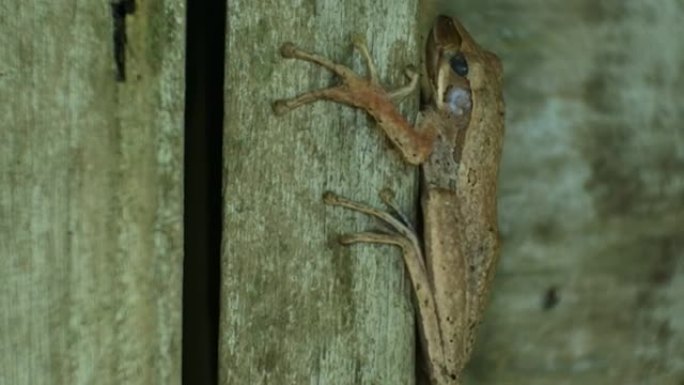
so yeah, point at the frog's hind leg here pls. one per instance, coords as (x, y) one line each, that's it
(402, 227)
(404, 237)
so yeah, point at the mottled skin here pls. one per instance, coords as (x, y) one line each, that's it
(457, 143)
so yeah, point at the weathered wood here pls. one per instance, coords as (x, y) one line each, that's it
(297, 307)
(590, 201)
(90, 194)
(591, 193)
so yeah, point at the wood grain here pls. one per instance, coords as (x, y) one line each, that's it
(90, 195)
(296, 306)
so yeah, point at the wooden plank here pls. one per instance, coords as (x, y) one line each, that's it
(91, 196)
(296, 306)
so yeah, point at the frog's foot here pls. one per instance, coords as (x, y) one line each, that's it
(400, 226)
(354, 90)
(402, 235)
(406, 90)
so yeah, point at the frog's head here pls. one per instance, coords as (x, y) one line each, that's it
(456, 67)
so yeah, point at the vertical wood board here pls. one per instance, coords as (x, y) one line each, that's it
(90, 194)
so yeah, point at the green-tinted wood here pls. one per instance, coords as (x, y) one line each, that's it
(298, 308)
(90, 194)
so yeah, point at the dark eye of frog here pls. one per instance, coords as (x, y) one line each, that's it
(459, 64)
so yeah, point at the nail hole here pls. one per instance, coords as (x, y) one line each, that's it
(550, 298)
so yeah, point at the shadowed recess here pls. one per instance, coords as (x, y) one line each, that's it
(206, 24)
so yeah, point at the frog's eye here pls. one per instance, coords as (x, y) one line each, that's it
(459, 64)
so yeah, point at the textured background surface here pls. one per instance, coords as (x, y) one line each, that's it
(90, 195)
(591, 193)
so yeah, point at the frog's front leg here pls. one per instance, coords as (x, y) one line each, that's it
(405, 237)
(367, 94)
